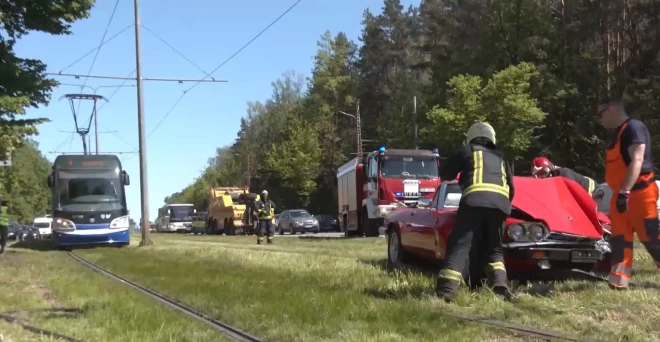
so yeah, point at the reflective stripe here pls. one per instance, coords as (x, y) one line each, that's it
(4, 217)
(619, 275)
(592, 186)
(495, 266)
(478, 178)
(451, 275)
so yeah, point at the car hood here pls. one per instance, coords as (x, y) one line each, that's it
(562, 204)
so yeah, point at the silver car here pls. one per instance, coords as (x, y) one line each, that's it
(297, 221)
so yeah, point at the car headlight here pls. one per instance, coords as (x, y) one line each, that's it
(516, 232)
(119, 222)
(62, 225)
(536, 232)
(298, 223)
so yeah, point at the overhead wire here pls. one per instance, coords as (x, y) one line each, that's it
(98, 50)
(222, 64)
(177, 51)
(176, 103)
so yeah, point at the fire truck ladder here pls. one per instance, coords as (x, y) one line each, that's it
(83, 131)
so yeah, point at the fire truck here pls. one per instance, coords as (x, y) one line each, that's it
(370, 187)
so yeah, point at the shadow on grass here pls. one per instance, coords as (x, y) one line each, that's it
(47, 245)
(541, 283)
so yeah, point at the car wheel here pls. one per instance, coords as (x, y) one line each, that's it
(280, 229)
(396, 255)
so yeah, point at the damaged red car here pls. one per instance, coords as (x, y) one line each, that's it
(554, 224)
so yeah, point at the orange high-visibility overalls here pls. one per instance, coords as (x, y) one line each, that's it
(641, 216)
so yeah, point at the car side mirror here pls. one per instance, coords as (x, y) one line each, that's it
(51, 180)
(125, 178)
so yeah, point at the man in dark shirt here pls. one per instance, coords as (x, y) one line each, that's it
(629, 173)
(543, 168)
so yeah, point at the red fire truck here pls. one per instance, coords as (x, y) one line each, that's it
(370, 187)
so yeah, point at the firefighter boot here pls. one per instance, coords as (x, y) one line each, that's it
(498, 279)
(260, 240)
(447, 284)
(269, 239)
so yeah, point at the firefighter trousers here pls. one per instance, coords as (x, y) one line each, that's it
(474, 227)
(265, 227)
(640, 218)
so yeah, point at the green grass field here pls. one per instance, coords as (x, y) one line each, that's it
(109, 311)
(338, 290)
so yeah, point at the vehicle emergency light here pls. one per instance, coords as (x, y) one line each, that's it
(381, 149)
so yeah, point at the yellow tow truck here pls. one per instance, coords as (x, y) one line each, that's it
(225, 212)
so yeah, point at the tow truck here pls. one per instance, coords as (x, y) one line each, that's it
(371, 186)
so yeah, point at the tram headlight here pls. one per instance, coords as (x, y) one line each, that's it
(119, 223)
(63, 225)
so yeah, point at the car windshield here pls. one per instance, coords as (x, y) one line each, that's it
(453, 195)
(41, 225)
(409, 167)
(300, 213)
(89, 190)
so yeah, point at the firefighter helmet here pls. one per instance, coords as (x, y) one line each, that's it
(481, 130)
(542, 167)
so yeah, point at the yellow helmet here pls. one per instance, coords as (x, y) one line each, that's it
(481, 130)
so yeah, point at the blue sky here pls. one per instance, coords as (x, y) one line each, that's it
(207, 32)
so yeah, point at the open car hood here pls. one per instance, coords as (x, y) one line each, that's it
(562, 204)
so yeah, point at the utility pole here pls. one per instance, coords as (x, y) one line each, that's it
(144, 187)
(415, 121)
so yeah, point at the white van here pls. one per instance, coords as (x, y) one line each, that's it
(44, 224)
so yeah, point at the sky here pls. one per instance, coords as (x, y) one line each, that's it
(207, 32)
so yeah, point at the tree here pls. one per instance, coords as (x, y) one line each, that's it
(23, 81)
(24, 183)
(504, 102)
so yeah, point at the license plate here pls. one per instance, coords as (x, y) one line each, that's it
(309, 226)
(583, 254)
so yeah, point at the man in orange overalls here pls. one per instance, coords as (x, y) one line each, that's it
(629, 172)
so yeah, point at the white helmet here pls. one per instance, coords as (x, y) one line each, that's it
(481, 130)
(264, 193)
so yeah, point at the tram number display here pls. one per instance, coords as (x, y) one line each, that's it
(88, 163)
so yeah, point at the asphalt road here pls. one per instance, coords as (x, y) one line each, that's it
(320, 235)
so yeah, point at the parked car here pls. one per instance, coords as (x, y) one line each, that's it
(27, 233)
(12, 230)
(276, 219)
(328, 222)
(297, 221)
(554, 224)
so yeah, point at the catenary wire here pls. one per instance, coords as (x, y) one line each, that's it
(98, 50)
(222, 64)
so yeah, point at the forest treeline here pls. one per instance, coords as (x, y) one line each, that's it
(534, 69)
(23, 84)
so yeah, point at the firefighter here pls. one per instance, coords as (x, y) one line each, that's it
(486, 181)
(4, 225)
(629, 172)
(543, 168)
(265, 211)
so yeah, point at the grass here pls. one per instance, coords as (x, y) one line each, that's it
(107, 311)
(338, 290)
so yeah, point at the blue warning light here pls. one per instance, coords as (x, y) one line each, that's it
(382, 149)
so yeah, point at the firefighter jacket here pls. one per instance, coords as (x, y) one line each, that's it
(4, 216)
(587, 183)
(265, 209)
(486, 178)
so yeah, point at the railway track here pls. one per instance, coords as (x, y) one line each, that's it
(240, 336)
(227, 330)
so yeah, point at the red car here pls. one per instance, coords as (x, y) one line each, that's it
(554, 224)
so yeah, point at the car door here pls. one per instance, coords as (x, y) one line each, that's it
(447, 205)
(284, 219)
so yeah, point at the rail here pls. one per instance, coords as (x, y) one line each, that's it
(229, 331)
(238, 335)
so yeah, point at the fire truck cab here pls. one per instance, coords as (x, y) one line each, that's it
(371, 187)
